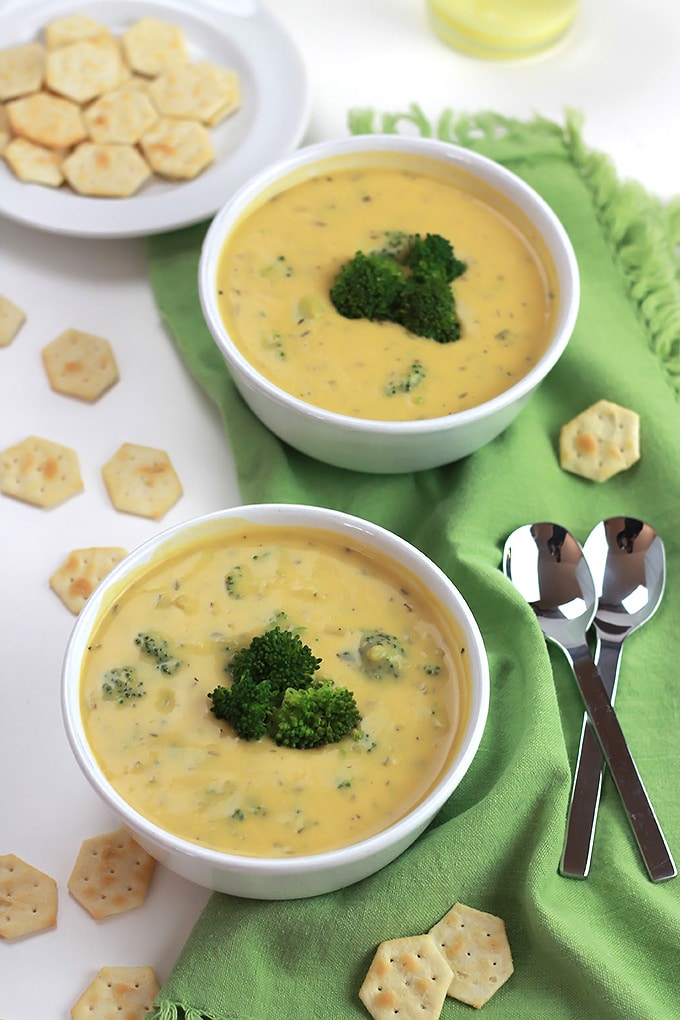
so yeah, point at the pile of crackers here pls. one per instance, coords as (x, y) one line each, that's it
(103, 114)
(110, 876)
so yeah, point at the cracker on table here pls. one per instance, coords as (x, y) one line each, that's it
(52, 121)
(22, 70)
(83, 70)
(28, 898)
(122, 116)
(34, 163)
(177, 149)
(141, 480)
(72, 28)
(126, 992)
(111, 874)
(202, 91)
(12, 319)
(408, 977)
(476, 948)
(80, 364)
(152, 46)
(83, 569)
(40, 472)
(600, 441)
(105, 171)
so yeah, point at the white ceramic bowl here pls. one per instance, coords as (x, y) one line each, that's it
(371, 445)
(295, 877)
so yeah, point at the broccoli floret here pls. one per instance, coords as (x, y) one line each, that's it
(158, 648)
(277, 656)
(122, 684)
(381, 654)
(406, 382)
(320, 714)
(247, 705)
(232, 582)
(273, 691)
(408, 282)
(427, 308)
(367, 287)
(432, 257)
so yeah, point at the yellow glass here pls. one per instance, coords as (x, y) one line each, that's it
(499, 29)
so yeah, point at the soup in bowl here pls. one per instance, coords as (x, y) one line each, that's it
(306, 803)
(383, 387)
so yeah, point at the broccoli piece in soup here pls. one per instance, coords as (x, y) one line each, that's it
(432, 258)
(247, 705)
(277, 656)
(427, 308)
(158, 648)
(407, 281)
(367, 287)
(381, 654)
(122, 684)
(274, 692)
(406, 382)
(320, 714)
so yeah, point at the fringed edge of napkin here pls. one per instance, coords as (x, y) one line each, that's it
(164, 1010)
(643, 233)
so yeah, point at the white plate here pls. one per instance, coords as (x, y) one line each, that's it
(270, 122)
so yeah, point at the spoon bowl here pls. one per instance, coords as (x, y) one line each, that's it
(628, 562)
(563, 599)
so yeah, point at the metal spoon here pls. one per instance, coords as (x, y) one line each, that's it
(628, 562)
(546, 564)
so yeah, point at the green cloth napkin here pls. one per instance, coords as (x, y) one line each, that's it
(604, 948)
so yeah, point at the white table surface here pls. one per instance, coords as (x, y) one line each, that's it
(620, 66)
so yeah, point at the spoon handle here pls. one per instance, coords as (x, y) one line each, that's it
(588, 772)
(650, 838)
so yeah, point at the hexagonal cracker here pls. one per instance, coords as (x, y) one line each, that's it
(22, 69)
(121, 117)
(202, 91)
(80, 364)
(80, 573)
(28, 898)
(177, 149)
(83, 70)
(600, 441)
(105, 171)
(40, 472)
(111, 874)
(34, 163)
(141, 480)
(72, 28)
(12, 319)
(408, 976)
(476, 948)
(47, 120)
(152, 46)
(122, 991)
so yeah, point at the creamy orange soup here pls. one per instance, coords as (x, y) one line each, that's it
(278, 265)
(170, 758)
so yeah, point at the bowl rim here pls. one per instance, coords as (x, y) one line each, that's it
(391, 545)
(492, 173)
